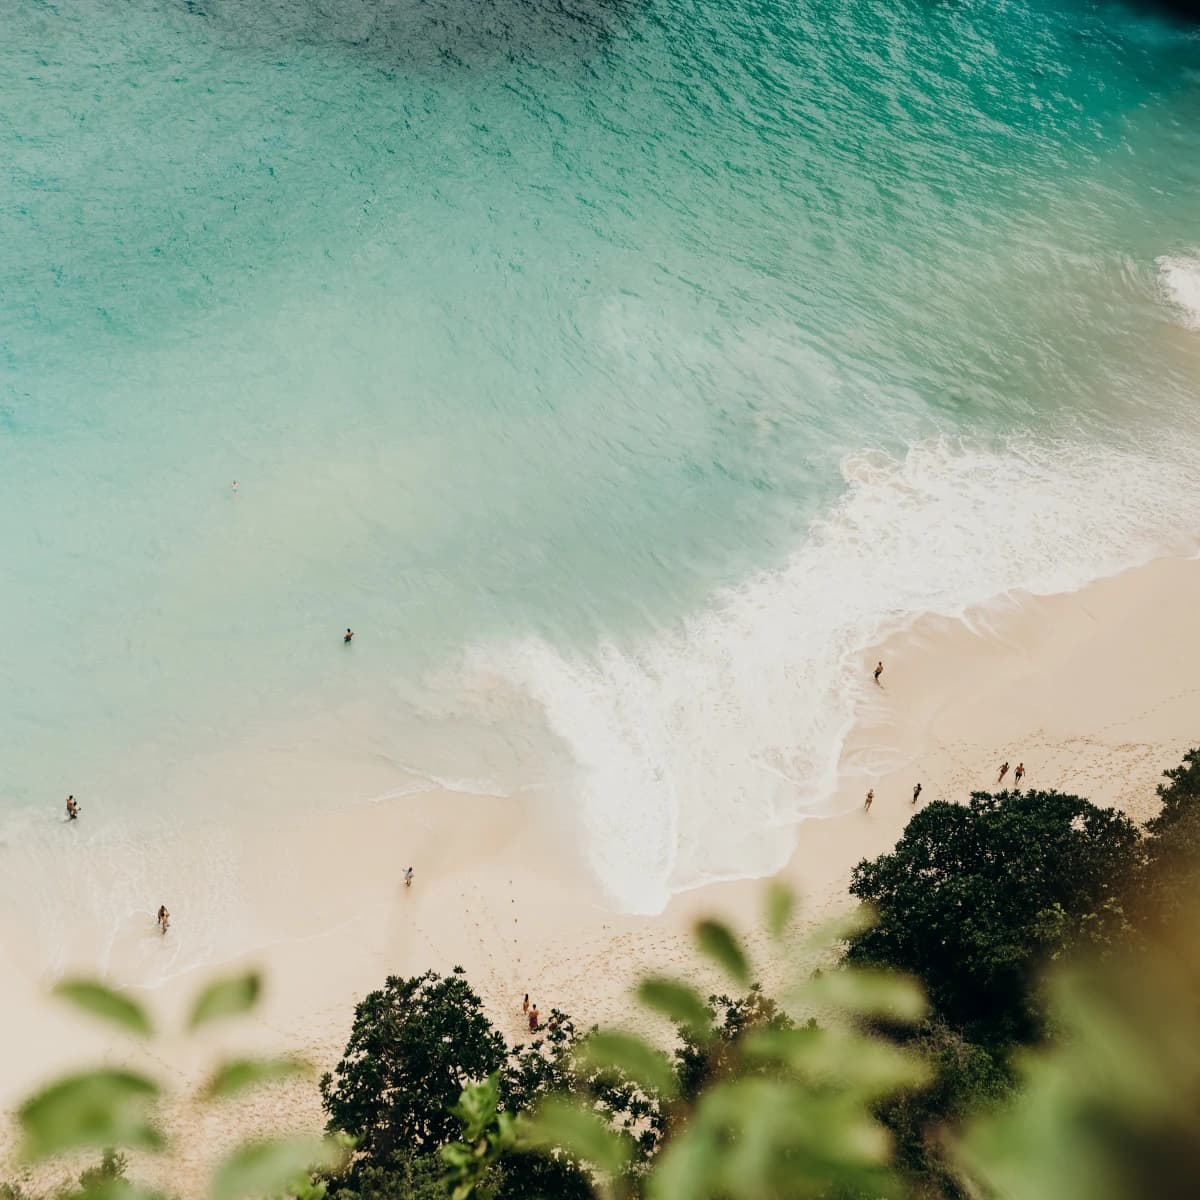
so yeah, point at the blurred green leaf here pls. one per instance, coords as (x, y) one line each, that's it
(841, 928)
(644, 1065)
(867, 1067)
(268, 1168)
(457, 1154)
(476, 1107)
(685, 1168)
(241, 1073)
(226, 998)
(781, 904)
(678, 1002)
(98, 1108)
(560, 1124)
(718, 942)
(869, 992)
(752, 1138)
(1106, 1110)
(103, 1002)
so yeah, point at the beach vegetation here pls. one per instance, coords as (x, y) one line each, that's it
(414, 1046)
(976, 899)
(1167, 883)
(400, 1087)
(845, 1083)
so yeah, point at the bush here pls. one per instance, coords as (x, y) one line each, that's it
(976, 899)
(413, 1047)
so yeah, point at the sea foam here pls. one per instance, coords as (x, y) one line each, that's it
(1179, 278)
(698, 749)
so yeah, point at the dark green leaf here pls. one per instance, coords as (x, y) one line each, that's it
(103, 1002)
(268, 1168)
(677, 1001)
(240, 1073)
(226, 998)
(719, 944)
(644, 1065)
(99, 1108)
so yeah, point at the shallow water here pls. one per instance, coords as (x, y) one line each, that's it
(618, 370)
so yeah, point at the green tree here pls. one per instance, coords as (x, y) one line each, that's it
(405, 1175)
(774, 1110)
(1167, 884)
(703, 1056)
(413, 1047)
(966, 1078)
(976, 898)
(112, 1165)
(1109, 1108)
(551, 1065)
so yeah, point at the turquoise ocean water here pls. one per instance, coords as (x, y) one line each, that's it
(618, 370)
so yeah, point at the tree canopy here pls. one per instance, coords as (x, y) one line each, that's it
(414, 1046)
(1172, 845)
(976, 898)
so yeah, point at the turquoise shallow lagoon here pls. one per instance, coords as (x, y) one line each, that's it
(619, 371)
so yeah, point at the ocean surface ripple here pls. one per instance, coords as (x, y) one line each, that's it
(619, 370)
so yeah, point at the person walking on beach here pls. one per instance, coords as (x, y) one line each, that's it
(1019, 774)
(525, 1005)
(72, 809)
(878, 670)
(1003, 771)
(349, 635)
(869, 800)
(916, 793)
(164, 917)
(533, 1019)
(408, 876)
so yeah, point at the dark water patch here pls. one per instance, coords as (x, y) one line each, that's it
(420, 34)
(1187, 11)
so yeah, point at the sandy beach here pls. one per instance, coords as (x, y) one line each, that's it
(1094, 691)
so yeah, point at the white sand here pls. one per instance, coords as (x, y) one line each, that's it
(1094, 691)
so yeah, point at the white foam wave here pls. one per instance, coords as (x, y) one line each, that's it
(1179, 278)
(700, 748)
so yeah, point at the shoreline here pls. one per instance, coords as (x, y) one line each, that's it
(1086, 688)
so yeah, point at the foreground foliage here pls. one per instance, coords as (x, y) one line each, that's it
(843, 1084)
(109, 1109)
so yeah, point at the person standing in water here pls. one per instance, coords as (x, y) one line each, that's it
(878, 670)
(1019, 774)
(72, 809)
(164, 917)
(916, 793)
(869, 800)
(349, 635)
(1003, 771)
